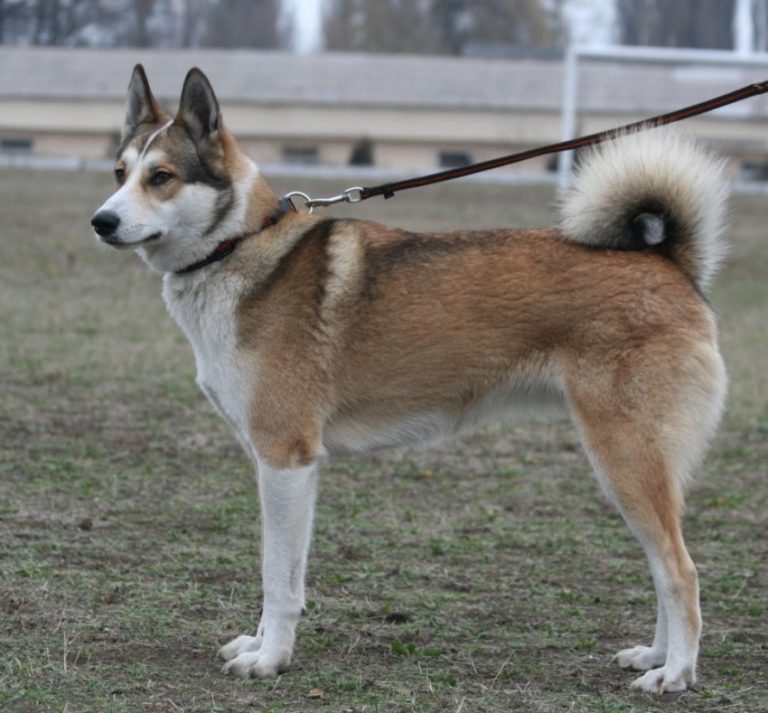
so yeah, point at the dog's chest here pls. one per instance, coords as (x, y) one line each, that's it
(206, 314)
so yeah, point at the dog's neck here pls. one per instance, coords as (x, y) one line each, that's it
(226, 247)
(259, 208)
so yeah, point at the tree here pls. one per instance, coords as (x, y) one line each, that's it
(435, 26)
(379, 26)
(677, 23)
(239, 23)
(11, 11)
(141, 11)
(66, 22)
(192, 22)
(761, 25)
(141, 23)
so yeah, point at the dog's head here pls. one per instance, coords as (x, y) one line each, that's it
(182, 183)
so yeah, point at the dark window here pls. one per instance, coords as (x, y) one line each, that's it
(362, 153)
(455, 159)
(16, 147)
(301, 154)
(754, 170)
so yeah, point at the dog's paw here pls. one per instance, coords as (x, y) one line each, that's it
(240, 645)
(641, 658)
(255, 664)
(664, 680)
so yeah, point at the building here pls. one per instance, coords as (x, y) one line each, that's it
(398, 112)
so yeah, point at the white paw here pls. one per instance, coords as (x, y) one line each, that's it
(239, 645)
(256, 664)
(641, 658)
(664, 680)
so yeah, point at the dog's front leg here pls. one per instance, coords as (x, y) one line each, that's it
(287, 506)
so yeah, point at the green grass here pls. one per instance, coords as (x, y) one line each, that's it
(488, 574)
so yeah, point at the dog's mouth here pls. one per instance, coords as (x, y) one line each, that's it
(115, 242)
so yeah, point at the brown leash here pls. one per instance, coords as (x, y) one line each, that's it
(388, 190)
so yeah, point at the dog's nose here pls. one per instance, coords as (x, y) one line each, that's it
(105, 222)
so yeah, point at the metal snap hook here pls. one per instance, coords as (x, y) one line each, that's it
(307, 200)
(353, 194)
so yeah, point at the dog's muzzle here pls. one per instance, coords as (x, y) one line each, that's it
(106, 223)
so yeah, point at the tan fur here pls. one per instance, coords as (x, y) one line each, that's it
(437, 327)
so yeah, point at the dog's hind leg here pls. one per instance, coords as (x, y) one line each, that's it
(638, 479)
(287, 507)
(644, 433)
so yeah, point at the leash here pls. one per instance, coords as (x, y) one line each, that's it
(355, 194)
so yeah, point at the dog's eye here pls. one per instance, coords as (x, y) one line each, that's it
(158, 178)
(119, 175)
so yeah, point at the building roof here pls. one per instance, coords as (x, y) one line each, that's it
(256, 77)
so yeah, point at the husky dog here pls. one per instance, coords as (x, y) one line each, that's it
(315, 336)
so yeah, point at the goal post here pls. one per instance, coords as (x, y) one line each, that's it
(575, 53)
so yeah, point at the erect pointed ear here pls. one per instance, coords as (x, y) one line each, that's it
(198, 108)
(141, 107)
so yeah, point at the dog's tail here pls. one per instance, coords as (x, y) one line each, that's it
(654, 189)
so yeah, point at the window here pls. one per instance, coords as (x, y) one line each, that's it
(301, 154)
(754, 170)
(362, 153)
(455, 159)
(16, 147)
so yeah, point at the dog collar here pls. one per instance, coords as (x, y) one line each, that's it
(228, 246)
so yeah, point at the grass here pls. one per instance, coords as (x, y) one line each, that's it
(488, 574)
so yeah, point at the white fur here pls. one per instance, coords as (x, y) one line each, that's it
(153, 136)
(179, 223)
(355, 435)
(139, 218)
(287, 509)
(619, 176)
(203, 309)
(204, 306)
(186, 218)
(670, 661)
(130, 156)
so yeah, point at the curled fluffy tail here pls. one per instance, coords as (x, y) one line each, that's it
(654, 189)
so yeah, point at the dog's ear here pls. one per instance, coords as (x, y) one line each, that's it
(141, 107)
(198, 107)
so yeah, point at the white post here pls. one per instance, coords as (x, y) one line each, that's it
(568, 123)
(743, 28)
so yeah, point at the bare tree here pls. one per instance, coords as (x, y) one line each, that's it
(760, 18)
(380, 26)
(434, 26)
(515, 22)
(193, 14)
(141, 23)
(14, 14)
(677, 23)
(59, 22)
(242, 23)
(141, 12)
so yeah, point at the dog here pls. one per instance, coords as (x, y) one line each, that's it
(315, 336)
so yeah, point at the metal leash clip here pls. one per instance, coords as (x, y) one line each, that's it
(349, 195)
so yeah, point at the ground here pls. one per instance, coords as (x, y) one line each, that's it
(488, 574)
